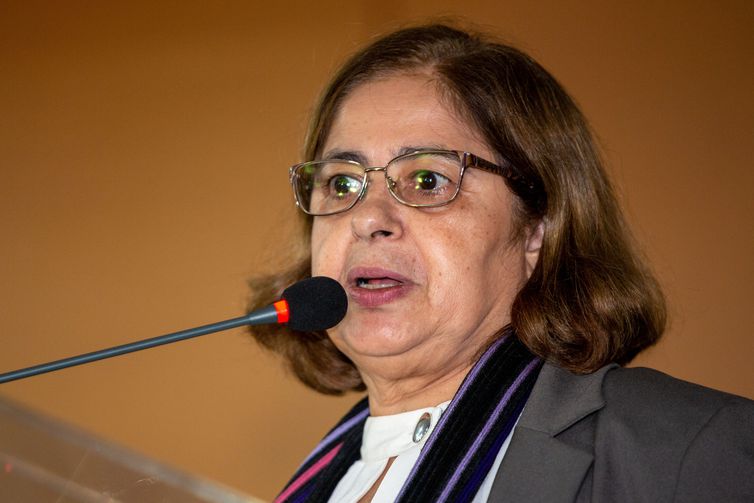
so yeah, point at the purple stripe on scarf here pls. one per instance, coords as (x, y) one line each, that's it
(475, 481)
(340, 430)
(451, 407)
(304, 495)
(487, 427)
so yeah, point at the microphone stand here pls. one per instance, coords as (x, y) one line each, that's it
(261, 316)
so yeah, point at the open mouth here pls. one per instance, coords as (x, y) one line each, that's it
(372, 287)
(377, 283)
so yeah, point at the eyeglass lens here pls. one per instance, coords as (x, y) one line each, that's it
(421, 179)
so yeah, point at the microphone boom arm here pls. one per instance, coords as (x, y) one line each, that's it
(261, 316)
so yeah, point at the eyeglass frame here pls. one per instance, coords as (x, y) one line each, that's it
(468, 160)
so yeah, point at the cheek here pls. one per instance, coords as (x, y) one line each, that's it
(452, 253)
(317, 243)
(472, 256)
(324, 246)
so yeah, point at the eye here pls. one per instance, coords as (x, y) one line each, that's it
(343, 186)
(426, 180)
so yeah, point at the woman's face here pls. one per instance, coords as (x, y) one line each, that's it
(427, 287)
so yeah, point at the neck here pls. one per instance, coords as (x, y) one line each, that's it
(391, 396)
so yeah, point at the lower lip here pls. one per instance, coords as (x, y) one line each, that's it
(377, 297)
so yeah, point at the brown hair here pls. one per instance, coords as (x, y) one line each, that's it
(590, 299)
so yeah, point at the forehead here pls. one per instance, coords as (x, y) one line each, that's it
(387, 114)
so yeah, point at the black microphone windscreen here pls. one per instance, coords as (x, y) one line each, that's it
(316, 303)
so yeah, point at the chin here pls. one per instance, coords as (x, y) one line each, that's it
(380, 340)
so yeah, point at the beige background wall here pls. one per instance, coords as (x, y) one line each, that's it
(143, 156)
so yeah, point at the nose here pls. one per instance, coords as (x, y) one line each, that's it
(378, 214)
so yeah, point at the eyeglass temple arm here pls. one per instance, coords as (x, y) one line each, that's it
(506, 171)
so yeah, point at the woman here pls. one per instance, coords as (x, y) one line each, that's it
(453, 188)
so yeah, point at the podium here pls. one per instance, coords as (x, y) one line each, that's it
(44, 460)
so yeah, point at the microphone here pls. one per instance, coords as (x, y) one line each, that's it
(316, 303)
(310, 305)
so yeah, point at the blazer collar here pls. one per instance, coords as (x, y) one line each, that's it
(560, 399)
(537, 465)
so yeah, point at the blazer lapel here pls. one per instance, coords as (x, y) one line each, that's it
(538, 465)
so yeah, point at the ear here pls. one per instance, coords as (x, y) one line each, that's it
(533, 243)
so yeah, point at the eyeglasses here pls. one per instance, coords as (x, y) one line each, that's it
(421, 179)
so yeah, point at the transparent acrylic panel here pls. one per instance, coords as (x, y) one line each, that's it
(44, 460)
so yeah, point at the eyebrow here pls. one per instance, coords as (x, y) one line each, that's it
(356, 156)
(345, 155)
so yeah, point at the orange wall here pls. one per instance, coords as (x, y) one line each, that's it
(143, 156)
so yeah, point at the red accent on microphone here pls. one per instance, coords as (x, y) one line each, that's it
(281, 307)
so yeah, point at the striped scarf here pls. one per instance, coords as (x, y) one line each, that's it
(461, 450)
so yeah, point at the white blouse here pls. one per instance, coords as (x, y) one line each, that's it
(386, 437)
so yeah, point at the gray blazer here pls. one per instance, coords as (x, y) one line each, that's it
(628, 435)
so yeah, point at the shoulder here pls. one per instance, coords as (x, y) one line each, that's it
(643, 395)
(700, 438)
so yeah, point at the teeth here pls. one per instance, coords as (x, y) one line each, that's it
(376, 283)
(370, 286)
